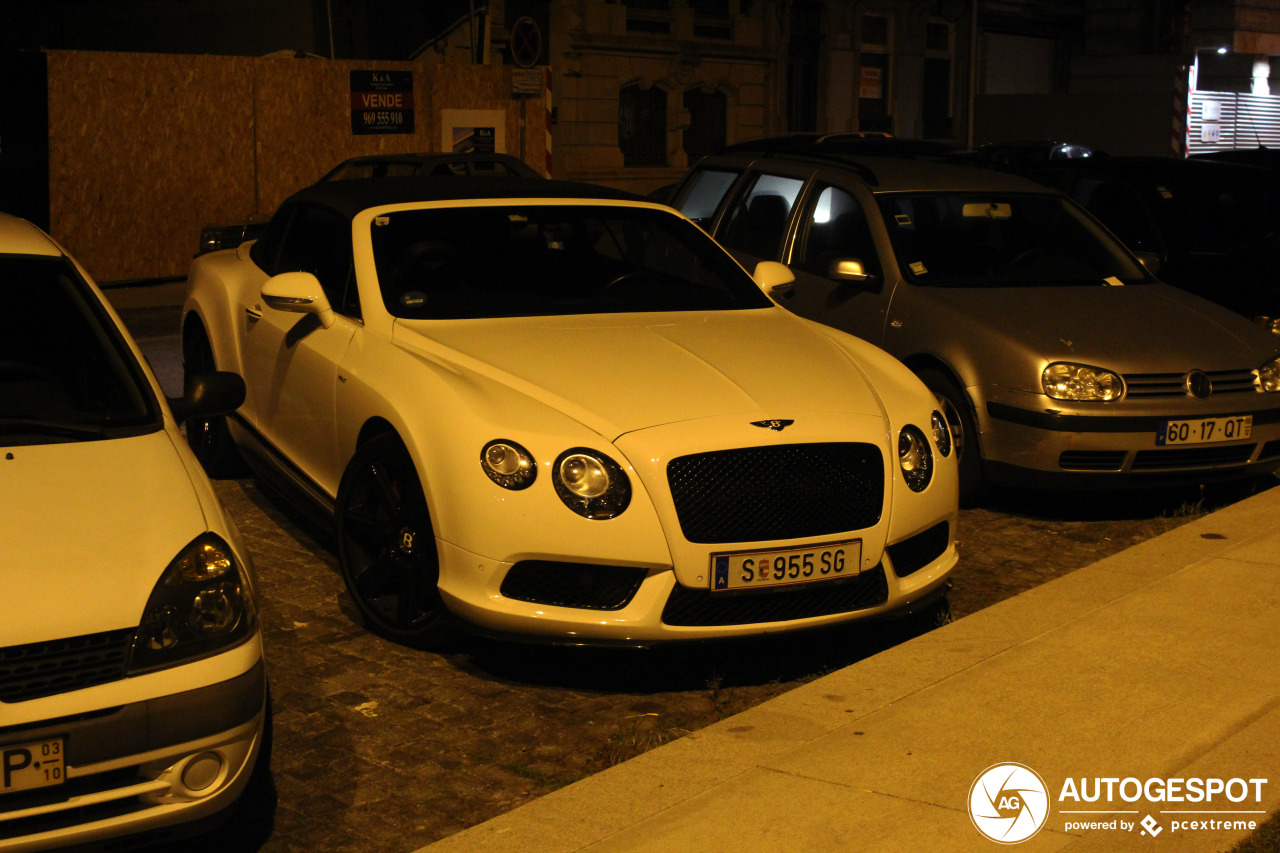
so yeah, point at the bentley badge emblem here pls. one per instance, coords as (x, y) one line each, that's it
(775, 425)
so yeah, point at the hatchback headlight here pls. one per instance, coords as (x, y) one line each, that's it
(591, 484)
(1269, 376)
(508, 464)
(200, 606)
(1065, 381)
(915, 458)
(1271, 324)
(941, 433)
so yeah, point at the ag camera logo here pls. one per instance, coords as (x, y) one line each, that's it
(1008, 803)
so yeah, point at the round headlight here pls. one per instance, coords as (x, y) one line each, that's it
(1065, 381)
(508, 464)
(914, 458)
(591, 484)
(1269, 376)
(941, 433)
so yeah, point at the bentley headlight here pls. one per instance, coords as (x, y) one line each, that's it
(941, 433)
(914, 458)
(591, 484)
(508, 464)
(1269, 376)
(200, 606)
(1065, 381)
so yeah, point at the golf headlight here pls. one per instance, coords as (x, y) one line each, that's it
(914, 458)
(508, 464)
(941, 433)
(1271, 324)
(200, 606)
(591, 484)
(1065, 381)
(1269, 376)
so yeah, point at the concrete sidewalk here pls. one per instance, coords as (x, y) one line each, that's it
(1158, 663)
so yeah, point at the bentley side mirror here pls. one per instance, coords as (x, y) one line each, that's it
(774, 278)
(298, 293)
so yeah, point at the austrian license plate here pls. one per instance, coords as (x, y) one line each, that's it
(37, 764)
(757, 569)
(1204, 430)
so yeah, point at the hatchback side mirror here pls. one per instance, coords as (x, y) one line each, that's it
(298, 293)
(207, 395)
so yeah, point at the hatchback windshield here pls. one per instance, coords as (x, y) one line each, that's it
(64, 372)
(529, 260)
(989, 240)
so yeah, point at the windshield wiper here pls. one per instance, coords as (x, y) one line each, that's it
(60, 429)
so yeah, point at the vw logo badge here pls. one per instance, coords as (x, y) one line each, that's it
(775, 425)
(1198, 384)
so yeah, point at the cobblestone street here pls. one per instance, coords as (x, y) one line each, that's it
(383, 748)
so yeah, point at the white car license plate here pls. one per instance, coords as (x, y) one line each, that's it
(36, 764)
(756, 569)
(1204, 430)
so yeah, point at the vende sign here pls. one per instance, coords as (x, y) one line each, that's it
(381, 102)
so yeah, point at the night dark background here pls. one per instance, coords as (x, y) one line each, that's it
(387, 29)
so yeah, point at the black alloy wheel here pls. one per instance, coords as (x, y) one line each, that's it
(386, 545)
(954, 406)
(209, 438)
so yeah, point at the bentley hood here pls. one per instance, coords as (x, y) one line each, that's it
(92, 526)
(619, 373)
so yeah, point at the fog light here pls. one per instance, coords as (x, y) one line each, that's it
(202, 771)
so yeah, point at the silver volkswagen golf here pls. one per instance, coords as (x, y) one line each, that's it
(1059, 360)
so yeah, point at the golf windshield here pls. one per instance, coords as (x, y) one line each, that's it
(1003, 240)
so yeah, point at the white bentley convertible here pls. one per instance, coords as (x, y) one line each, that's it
(563, 412)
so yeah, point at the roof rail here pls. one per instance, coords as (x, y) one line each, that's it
(835, 147)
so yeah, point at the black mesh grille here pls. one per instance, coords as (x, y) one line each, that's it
(1092, 460)
(572, 584)
(788, 491)
(58, 666)
(1192, 457)
(911, 555)
(692, 607)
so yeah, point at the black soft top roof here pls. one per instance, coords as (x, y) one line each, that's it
(352, 196)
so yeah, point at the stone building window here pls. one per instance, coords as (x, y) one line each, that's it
(642, 126)
(708, 117)
(939, 60)
(875, 65)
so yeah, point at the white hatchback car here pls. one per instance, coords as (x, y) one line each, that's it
(132, 686)
(557, 411)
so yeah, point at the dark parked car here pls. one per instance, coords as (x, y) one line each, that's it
(1023, 154)
(431, 165)
(1212, 228)
(1056, 357)
(215, 237)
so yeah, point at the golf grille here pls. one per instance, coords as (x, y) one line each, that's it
(792, 491)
